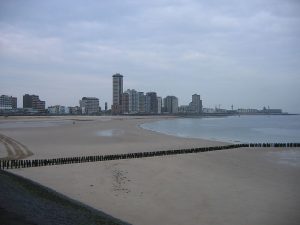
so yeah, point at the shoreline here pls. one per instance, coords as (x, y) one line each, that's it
(5, 116)
(92, 136)
(172, 135)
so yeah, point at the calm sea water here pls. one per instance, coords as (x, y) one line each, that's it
(233, 128)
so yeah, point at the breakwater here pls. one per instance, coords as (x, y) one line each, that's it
(15, 164)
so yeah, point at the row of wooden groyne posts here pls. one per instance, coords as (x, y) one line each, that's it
(15, 164)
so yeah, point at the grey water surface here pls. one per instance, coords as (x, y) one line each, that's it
(256, 128)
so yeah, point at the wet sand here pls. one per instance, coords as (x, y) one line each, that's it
(80, 136)
(241, 186)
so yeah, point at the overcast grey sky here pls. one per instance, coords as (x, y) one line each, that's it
(245, 53)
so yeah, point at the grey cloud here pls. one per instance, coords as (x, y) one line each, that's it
(209, 47)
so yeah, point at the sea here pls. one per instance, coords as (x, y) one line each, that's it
(234, 129)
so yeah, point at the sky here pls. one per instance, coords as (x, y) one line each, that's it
(231, 52)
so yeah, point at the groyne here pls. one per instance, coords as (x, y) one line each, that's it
(15, 164)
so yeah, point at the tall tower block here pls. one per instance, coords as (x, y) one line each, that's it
(117, 93)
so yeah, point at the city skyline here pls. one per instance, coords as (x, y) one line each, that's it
(117, 107)
(236, 53)
(127, 102)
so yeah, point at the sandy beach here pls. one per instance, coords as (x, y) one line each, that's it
(241, 186)
(79, 136)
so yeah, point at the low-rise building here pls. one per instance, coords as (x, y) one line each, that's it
(58, 110)
(248, 111)
(271, 111)
(8, 102)
(33, 102)
(74, 110)
(89, 105)
(183, 109)
(208, 110)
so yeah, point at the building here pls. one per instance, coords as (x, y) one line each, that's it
(271, 111)
(117, 93)
(183, 109)
(220, 110)
(125, 103)
(196, 104)
(151, 103)
(89, 105)
(159, 105)
(53, 109)
(171, 104)
(14, 102)
(74, 110)
(8, 102)
(247, 111)
(133, 101)
(208, 110)
(58, 110)
(33, 102)
(142, 102)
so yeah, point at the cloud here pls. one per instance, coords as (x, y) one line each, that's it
(185, 46)
(21, 45)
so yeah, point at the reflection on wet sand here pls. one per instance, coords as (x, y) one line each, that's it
(110, 133)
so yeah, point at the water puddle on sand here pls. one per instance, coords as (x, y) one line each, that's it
(291, 158)
(110, 133)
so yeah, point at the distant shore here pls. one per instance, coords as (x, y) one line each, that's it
(215, 114)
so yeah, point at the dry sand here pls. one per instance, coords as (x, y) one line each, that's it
(242, 186)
